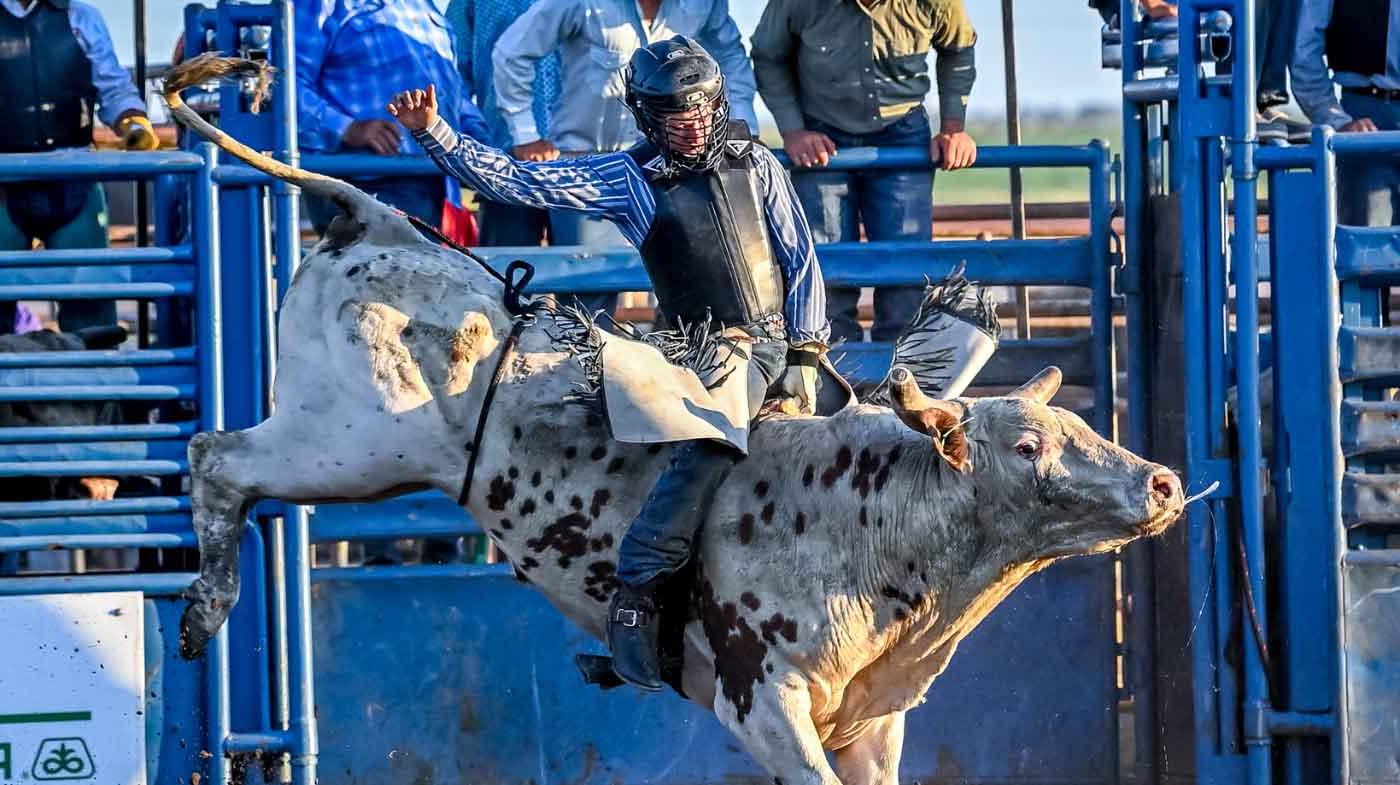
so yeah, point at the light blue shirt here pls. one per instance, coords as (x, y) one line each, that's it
(612, 186)
(116, 94)
(595, 39)
(1315, 90)
(478, 25)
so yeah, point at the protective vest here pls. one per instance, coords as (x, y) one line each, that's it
(1357, 36)
(45, 81)
(708, 248)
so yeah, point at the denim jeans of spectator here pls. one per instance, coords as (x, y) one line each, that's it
(1275, 26)
(1368, 186)
(61, 215)
(567, 228)
(511, 225)
(420, 197)
(890, 203)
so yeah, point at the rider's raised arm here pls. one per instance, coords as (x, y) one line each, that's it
(607, 185)
(805, 306)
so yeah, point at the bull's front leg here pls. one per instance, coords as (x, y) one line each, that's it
(777, 729)
(873, 758)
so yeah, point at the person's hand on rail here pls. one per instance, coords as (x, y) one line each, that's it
(808, 148)
(1361, 125)
(1159, 9)
(415, 110)
(538, 150)
(952, 148)
(379, 136)
(136, 132)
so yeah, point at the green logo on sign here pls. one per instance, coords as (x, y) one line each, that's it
(63, 759)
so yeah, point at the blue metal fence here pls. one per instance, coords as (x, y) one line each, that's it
(1289, 567)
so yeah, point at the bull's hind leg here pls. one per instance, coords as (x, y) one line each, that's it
(223, 479)
(299, 461)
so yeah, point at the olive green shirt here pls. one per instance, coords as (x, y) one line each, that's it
(860, 69)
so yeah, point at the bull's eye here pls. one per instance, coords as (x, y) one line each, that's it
(1028, 448)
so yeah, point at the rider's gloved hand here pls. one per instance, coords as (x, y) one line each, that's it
(799, 382)
(136, 132)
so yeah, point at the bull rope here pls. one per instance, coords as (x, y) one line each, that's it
(517, 276)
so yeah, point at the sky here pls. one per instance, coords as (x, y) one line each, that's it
(1057, 48)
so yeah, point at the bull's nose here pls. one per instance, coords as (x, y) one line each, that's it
(1166, 487)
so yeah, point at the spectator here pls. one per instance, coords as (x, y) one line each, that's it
(350, 62)
(1275, 24)
(1153, 9)
(1360, 41)
(595, 39)
(56, 62)
(478, 24)
(1275, 27)
(15, 319)
(854, 73)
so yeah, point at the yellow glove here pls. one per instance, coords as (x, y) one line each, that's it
(799, 381)
(136, 133)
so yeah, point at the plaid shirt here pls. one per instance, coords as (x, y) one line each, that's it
(478, 25)
(354, 55)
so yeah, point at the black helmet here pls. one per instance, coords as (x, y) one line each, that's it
(674, 77)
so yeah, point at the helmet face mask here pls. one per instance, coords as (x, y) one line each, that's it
(676, 92)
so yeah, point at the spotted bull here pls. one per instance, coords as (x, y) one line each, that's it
(898, 528)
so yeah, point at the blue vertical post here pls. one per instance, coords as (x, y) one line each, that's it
(1140, 563)
(1101, 296)
(1334, 463)
(1187, 174)
(217, 728)
(301, 697)
(1258, 737)
(204, 198)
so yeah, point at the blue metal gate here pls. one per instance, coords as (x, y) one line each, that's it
(1294, 648)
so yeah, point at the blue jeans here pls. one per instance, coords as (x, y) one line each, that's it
(420, 197)
(659, 541)
(1368, 187)
(1275, 26)
(61, 215)
(890, 203)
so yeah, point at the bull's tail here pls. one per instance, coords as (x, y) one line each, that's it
(207, 67)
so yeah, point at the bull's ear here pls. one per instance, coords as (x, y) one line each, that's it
(1041, 388)
(941, 421)
(103, 337)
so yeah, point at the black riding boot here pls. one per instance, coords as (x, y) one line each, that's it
(633, 624)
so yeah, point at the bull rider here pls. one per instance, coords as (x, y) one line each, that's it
(721, 234)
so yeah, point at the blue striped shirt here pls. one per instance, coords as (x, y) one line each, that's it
(614, 187)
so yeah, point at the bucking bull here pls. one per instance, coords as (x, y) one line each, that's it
(841, 562)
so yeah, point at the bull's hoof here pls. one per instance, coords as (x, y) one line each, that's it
(202, 619)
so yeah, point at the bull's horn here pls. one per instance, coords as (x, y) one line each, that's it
(1041, 388)
(937, 419)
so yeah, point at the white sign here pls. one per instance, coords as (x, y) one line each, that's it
(72, 689)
